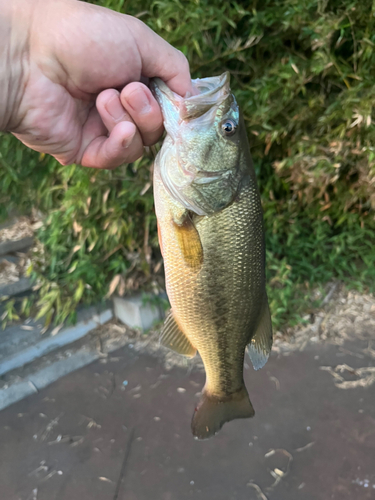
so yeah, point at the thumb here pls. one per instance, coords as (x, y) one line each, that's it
(160, 59)
(88, 48)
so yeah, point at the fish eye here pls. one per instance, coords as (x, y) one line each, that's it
(228, 127)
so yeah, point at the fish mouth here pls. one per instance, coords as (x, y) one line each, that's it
(210, 86)
(161, 91)
(208, 92)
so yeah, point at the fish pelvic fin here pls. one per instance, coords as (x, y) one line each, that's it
(260, 345)
(173, 337)
(212, 412)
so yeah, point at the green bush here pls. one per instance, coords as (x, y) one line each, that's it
(303, 73)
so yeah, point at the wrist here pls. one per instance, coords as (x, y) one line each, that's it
(14, 28)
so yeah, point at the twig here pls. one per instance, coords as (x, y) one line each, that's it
(354, 46)
(50, 426)
(260, 493)
(366, 376)
(277, 383)
(114, 250)
(303, 448)
(332, 290)
(278, 474)
(249, 43)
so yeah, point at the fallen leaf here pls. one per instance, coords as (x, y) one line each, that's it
(105, 195)
(113, 285)
(295, 68)
(77, 228)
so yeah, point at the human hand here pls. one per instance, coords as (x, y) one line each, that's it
(74, 78)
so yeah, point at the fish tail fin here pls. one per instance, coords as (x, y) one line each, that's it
(212, 412)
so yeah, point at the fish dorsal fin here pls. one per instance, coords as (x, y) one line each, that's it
(189, 242)
(173, 337)
(261, 343)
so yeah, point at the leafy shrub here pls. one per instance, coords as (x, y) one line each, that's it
(302, 71)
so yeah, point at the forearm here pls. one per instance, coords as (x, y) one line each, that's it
(14, 28)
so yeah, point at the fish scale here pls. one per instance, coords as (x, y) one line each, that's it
(214, 263)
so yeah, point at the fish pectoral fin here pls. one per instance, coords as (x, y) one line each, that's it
(174, 338)
(260, 345)
(189, 242)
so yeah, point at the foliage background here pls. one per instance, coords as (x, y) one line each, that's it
(303, 73)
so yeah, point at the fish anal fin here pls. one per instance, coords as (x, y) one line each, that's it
(189, 242)
(173, 337)
(260, 345)
(212, 412)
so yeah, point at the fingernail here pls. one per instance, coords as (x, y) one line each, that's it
(139, 102)
(126, 142)
(114, 108)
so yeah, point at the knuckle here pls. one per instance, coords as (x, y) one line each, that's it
(184, 62)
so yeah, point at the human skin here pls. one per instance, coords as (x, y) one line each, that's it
(71, 78)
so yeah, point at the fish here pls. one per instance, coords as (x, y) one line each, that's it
(211, 235)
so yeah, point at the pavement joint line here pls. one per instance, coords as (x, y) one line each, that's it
(123, 465)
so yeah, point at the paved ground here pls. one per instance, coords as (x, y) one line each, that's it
(119, 429)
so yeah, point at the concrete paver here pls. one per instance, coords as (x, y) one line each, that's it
(119, 429)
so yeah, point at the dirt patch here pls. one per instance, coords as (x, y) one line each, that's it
(14, 266)
(11, 272)
(22, 228)
(346, 316)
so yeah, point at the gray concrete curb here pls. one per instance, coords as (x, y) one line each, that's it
(65, 337)
(136, 312)
(22, 347)
(20, 286)
(45, 376)
(15, 246)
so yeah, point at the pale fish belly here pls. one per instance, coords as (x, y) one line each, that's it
(218, 307)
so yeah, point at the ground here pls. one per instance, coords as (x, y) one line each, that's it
(119, 429)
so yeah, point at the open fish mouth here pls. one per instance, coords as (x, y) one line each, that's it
(209, 92)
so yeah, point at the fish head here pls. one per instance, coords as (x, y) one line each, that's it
(199, 162)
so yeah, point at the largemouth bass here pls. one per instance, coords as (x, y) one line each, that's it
(211, 235)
